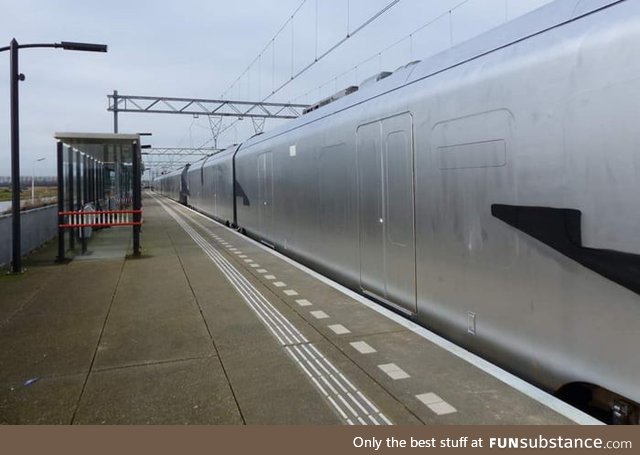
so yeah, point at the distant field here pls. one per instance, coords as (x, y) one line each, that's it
(40, 192)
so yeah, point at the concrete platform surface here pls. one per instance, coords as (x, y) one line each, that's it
(209, 327)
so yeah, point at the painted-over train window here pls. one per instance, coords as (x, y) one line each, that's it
(399, 168)
(334, 182)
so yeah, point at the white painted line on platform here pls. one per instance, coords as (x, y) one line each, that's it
(242, 256)
(429, 398)
(319, 314)
(436, 404)
(511, 380)
(394, 371)
(362, 347)
(261, 270)
(303, 302)
(290, 292)
(284, 331)
(357, 403)
(254, 265)
(292, 341)
(248, 261)
(311, 361)
(328, 384)
(443, 408)
(279, 284)
(270, 277)
(339, 329)
(348, 406)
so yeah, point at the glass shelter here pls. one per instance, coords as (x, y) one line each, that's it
(99, 186)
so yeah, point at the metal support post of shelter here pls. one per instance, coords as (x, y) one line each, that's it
(60, 168)
(115, 111)
(70, 207)
(137, 196)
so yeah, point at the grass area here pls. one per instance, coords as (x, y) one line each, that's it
(25, 193)
(43, 195)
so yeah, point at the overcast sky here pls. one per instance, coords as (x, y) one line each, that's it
(193, 48)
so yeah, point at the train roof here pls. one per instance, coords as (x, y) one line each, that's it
(170, 174)
(204, 162)
(552, 15)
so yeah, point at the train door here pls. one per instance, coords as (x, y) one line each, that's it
(386, 204)
(215, 185)
(370, 206)
(265, 194)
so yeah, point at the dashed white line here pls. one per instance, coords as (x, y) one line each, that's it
(270, 277)
(290, 292)
(279, 284)
(261, 270)
(254, 265)
(362, 347)
(292, 341)
(436, 404)
(303, 302)
(442, 408)
(394, 371)
(339, 329)
(319, 314)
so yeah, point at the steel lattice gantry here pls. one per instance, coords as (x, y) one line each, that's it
(166, 163)
(180, 151)
(196, 106)
(170, 158)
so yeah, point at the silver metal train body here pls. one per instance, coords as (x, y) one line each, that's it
(490, 192)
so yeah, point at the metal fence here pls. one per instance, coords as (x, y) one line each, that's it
(37, 226)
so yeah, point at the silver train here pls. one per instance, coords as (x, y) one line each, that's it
(491, 192)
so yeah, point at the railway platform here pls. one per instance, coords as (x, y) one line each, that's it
(210, 327)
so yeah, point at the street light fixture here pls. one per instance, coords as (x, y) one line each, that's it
(33, 179)
(16, 76)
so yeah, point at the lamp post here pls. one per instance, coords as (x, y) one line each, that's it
(15, 78)
(33, 179)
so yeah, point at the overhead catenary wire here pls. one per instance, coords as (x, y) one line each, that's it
(378, 54)
(317, 56)
(336, 46)
(266, 46)
(294, 76)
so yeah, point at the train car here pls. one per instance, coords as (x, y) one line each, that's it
(211, 185)
(170, 185)
(195, 177)
(219, 186)
(488, 192)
